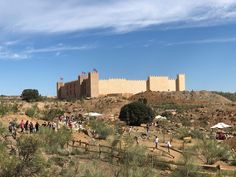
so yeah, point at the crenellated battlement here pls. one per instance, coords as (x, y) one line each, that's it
(157, 76)
(117, 79)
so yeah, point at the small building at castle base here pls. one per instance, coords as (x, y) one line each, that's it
(89, 85)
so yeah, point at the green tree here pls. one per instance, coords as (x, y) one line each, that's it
(136, 113)
(30, 95)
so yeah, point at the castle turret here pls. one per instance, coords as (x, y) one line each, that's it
(180, 82)
(82, 79)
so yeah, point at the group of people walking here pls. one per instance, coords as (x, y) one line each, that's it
(168, 144)
(24, 126)
(29, 126)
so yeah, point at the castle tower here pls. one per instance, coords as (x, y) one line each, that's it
(180, 82)
(93, 84)
(59, 86)
(83, 81)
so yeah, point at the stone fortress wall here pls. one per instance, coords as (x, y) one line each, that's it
(89, 85)
(115, 86)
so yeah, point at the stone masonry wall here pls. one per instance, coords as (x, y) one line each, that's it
(113, 86)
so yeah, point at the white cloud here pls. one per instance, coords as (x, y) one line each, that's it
(10, 43)
(51, 16)
(204, 41)
(8, 54)
(58, 54)
(58, 48)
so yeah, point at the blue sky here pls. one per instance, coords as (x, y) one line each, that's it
(43, 40)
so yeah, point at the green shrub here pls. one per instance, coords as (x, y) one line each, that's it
(185, 132)
(60, 161)
(233, 163)
(63, 152)
(30, 112)
(3, 109)
(28, 146)
(6, 108)
(2, 129)
(135, 171)
(15, 108)
(212, 151)
(136, 113)
(76, 152)
(50, 114)
(188, 169)
(30, 161)
(197, 134)
(161, 165)
(134, 163)
(54, 141)
(168, 115)
(185, 122)
(92, 170)
(101, 128)
(179, 107)
(182, 133)
(135, 155)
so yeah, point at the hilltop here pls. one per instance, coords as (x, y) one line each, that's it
(194, 97)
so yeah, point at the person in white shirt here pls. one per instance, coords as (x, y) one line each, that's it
(168, 144)
(156, 141)
(130, 129)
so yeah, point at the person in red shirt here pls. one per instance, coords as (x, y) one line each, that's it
(22, 125)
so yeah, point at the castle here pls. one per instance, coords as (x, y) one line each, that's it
(89, 85)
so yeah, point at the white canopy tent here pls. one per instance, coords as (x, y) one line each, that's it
(160, 118)
(92, 114)
(221, 126)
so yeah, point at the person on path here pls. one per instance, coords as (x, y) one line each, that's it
(54, 126)
(168, 144)
(156, 141)
(22, 126)
(44, 124)
(37, 127)
(136, 139)
(10, 127)
(130, 129)
(147, 129)
(26, 125)
(31, 127)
